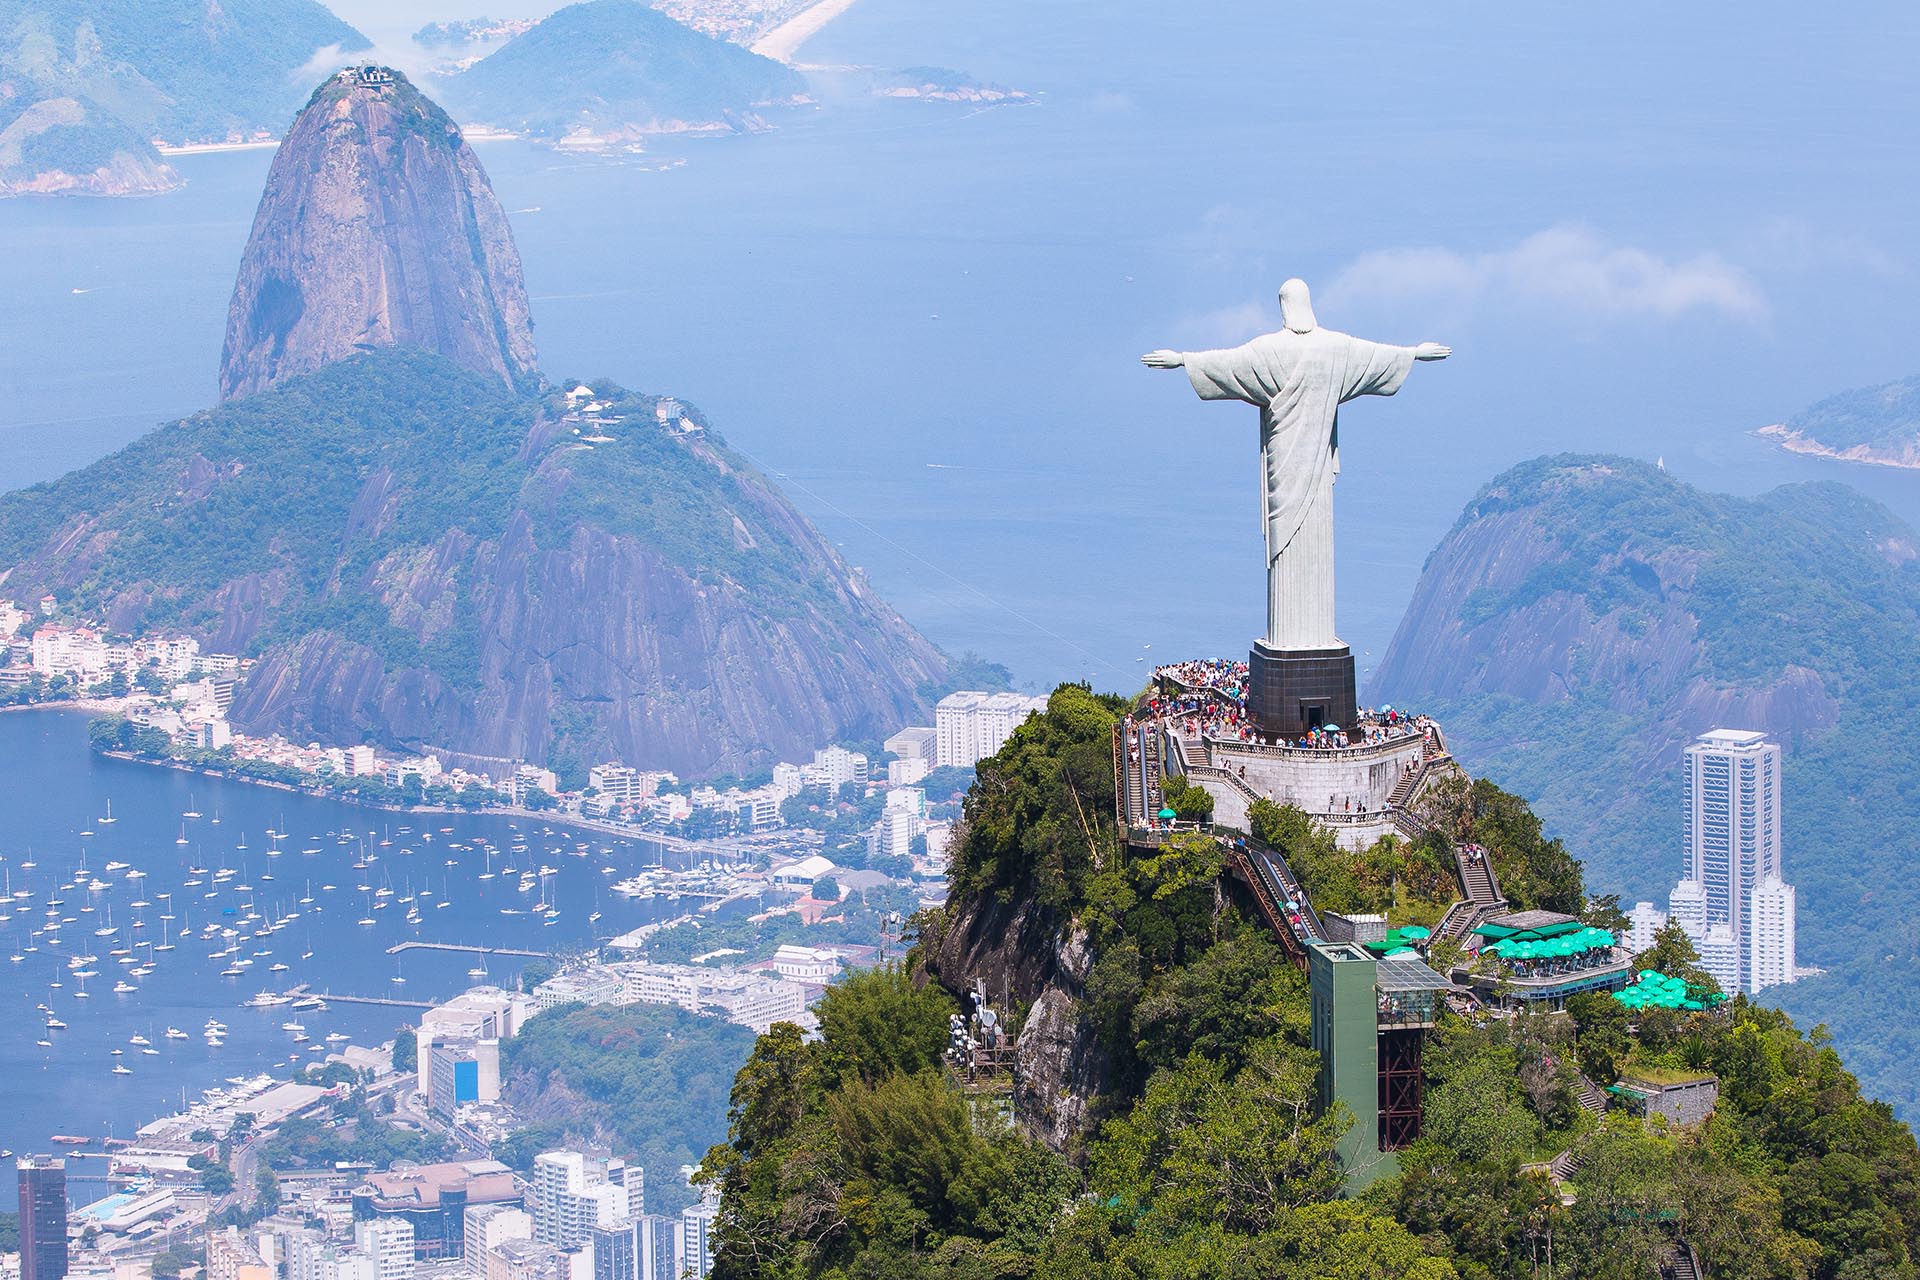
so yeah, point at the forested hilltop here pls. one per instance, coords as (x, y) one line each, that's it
(85, 87)
(648, 74)
(419, 557)
(1867, 424)
(1587, 617)
(1198, 1151)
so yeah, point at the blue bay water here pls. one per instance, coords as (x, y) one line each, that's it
(55, 793)
(924, 318)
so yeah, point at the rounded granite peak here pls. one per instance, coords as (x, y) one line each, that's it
(377, 228)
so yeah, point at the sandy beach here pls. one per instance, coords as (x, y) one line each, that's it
(784, 41)
(208, 148)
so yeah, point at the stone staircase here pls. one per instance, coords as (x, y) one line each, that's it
(1681, 1263)
(1590, 1095)
(1482, 900)
(1476, 875)
(1566, 1164)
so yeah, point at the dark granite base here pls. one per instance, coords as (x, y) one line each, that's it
(1293, 692)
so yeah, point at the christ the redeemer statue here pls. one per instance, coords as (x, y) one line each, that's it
(1298, 378)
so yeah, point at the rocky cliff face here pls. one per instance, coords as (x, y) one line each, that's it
(378, 228)
(1024, 956)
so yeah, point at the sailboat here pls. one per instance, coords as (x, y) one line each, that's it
(108, 819)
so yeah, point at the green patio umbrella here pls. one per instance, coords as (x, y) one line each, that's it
(1168, 815)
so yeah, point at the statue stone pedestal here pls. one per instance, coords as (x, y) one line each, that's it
(1294, 691)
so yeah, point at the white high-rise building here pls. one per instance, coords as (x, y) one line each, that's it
(487, 1227)
(1687, 907)
(658, 1247)
(313, 1258)
(696, 1240)
(1770, 953)
(1720, 953)
(1733, 846)
(970, 726)
(574, 1193)
(1643, 922)
(389, 1242)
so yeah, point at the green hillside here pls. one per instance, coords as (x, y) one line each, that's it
(857, 1155)
(116, 76)
(420, 557)
(646, 72)
(1587, 616)
(1885, 418)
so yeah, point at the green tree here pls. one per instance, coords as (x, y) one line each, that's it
(1474, 1106)
(877, 1023)
(1202, 1147)
(266, 1191)
(1673, 954)
(1600, 1041)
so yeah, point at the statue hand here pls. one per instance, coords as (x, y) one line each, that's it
(1163, 359)
(1431, 351)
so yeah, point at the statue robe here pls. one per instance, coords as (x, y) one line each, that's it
(1299, 381)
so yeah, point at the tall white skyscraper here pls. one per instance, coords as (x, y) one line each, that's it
(1771, 951)
(1733, 848)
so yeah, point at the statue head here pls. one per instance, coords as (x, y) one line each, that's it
(1296, 306)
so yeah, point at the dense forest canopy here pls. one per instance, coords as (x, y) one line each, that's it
(856, 1155)
(648, 1082)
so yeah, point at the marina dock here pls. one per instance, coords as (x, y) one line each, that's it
(306, 989)
(468, 949)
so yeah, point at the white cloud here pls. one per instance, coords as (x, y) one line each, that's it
(1230, 326)
(326, 60)
(1568, 268)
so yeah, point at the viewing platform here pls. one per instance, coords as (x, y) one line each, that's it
(1358, 780)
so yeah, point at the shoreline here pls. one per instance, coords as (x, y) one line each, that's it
(784, 41)
(1793, 442)
(211, 148)
(549, 817)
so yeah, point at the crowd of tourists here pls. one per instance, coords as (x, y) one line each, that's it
(1220, 674)
(1194, 714)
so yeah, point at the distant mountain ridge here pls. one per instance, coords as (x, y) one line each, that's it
(1879, 425)
(1586, 617)
(378, 228)
(646, 73)
(86, 87)
(426, 547)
